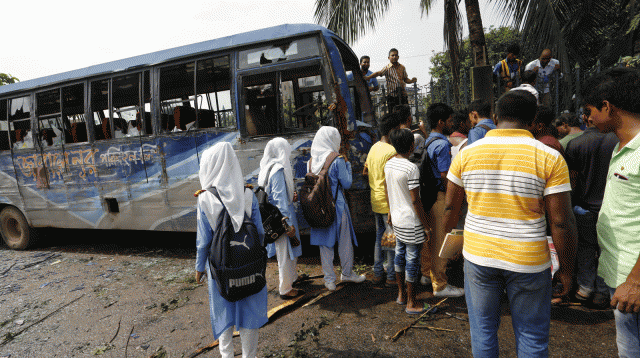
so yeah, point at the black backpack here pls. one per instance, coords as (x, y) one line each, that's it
(238, 260)
(429, 184)
(272, 219)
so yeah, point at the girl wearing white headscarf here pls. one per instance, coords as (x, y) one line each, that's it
(280, 187)
(219, 168)
(327, 140)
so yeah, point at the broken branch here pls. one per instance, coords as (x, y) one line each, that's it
(117, 331)
(9, 269)
(128, 338)
(405, 329)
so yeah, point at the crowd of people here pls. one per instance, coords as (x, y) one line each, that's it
(514, 180)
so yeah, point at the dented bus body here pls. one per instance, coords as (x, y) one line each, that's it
(117, 145)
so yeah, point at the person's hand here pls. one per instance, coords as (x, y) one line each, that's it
(295, 196)
(564, 279)
(200, 276)
(427, 233)
(292, 231)
(627, 298)
(332, 106)
(414, 80)
(535, 69)
(422, 128)
(557, 66)
(389, 220)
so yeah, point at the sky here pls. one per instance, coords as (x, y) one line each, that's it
(66, 35)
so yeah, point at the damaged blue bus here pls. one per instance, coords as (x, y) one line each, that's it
(117, 145)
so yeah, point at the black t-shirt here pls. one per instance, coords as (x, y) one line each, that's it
(588, 155)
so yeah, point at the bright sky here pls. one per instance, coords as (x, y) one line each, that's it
(49, 37)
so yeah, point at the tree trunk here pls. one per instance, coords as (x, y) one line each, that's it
(476, 33)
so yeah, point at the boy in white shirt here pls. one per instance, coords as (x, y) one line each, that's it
(407, 216)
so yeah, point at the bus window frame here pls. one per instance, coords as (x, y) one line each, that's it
(156, 100)
(32, 117)
(279, 68)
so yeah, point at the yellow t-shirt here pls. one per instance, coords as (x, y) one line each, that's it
(506, 176)
(378, 156)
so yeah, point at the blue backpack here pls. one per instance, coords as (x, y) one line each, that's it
(238, 260)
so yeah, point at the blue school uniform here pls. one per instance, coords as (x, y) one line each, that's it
(339, 171)
(278, 196)
(249, 312)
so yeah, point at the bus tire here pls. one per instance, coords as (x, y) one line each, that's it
(14, 228)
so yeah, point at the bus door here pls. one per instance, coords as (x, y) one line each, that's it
(27, 161)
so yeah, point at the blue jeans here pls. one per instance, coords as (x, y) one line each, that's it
(529, 297)
(588, 252)
(408, 258)
(627, 332)
(380, 253)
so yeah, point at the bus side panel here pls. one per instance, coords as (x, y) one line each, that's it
(9, 193)
(80, 178)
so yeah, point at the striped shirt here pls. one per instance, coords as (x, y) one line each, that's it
(506, 176)
(402, 176)
(395, 77)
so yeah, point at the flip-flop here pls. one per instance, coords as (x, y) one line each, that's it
(423, 310)
(288, 297)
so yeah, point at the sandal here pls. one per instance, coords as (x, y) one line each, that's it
(296, 293)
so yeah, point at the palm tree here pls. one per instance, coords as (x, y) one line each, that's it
(345, 17)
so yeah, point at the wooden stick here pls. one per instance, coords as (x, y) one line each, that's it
(40, 320)
(323, 294)
(210, 346)
(127, 345)
(434, 328)
(9, 269)
(405, 329)
(117, 331)
(37, 262)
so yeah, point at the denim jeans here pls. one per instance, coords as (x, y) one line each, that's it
(408, 260)
(381, 253)
(627, 332)
(588, 252)
(529, 297)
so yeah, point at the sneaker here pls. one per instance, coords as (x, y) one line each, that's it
(449, 291)
(353, 278)
(425, 281)
(331, 286)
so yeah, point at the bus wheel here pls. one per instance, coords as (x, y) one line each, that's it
(14, 228)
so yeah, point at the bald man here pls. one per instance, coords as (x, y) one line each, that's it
(545, 67)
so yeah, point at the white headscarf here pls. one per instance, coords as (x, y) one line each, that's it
(327, 140)
(219, 168)
(277, 155)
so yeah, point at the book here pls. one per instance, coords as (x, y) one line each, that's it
(452, 244)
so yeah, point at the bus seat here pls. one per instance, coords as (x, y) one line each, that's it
(79, 132)
(206, 118)
(167, 122)
(19, 135)
(47, 135)
(4, 140)
(105, 128)
(183, 115)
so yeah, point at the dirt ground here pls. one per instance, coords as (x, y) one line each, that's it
(82, 293)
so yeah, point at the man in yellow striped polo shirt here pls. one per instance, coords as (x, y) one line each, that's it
(511, 181)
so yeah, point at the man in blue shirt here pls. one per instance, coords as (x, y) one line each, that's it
(372, 84)
(440, 117)
(480, 116)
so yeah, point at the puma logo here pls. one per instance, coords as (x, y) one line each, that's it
(238, 243)
(244, 281)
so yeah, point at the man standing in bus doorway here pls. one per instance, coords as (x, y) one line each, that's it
(397, 78)
(372, 84)
(545, 67)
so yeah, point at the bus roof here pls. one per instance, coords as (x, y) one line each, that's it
(153, 58)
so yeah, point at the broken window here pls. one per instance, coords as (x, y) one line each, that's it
(177, 97)
(50, 126)
(20, 122)
(100, 109)
(278, 52)
(214, 93)
(4, 127)
(73, 116)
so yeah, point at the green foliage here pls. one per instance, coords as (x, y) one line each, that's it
(6, 79)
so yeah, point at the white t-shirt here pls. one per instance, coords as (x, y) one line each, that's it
(529, 88)
(544, 73)
(402, 176)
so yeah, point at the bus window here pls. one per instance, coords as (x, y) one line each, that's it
(214, 93)
(100, 109)
(261, 106)
(20, 122)
(73, 114)
(50, 127)
(309, 107)
(177, 98)
(125, 100)
(4, 126)
(277, 52)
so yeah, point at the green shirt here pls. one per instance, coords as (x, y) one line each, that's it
(564, 141)
(619, 220)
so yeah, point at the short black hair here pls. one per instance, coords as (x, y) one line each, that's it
(394, 50)
(544, 115)
(569, 118)
(404, 111)
(529, 76)
(459, 118)
(438, 112)
(518, 106)
(482, 106)
(514, 48)
(619, 86)
(389, 122)
(402, 140)
(364, 57)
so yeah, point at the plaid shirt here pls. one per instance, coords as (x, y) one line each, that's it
(395, 77)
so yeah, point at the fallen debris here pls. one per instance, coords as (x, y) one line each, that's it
(456, 317)
(126, 347)
(434, 328)
(405, 329)
(9, 336)
(37, 262)
(117, 331)
(9, 269)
